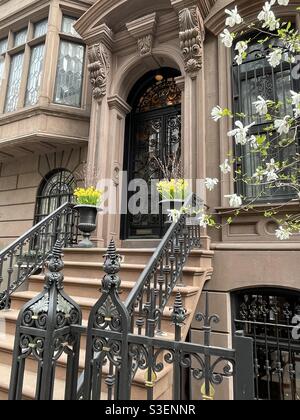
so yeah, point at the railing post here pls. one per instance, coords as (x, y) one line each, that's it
(107, 338)
(44, 333)
(178, 317)
(244, 371)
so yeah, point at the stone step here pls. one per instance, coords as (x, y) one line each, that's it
(20, 298)
(128, 272)
(90, 288)
(131, 256)
(29, 384)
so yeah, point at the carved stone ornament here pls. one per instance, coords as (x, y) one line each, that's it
(191, 37)
(145, 44)
(99, 68)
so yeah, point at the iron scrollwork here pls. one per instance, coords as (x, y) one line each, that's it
(44, 333)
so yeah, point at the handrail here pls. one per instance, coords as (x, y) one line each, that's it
(29, 252)
(32, 230)
(164, 269)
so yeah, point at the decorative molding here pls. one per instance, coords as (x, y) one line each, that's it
(143, 30)
(191, 36)
(204, 5)
(145, 44)
(180, 82)
(102, 34)
(118, 103)
(99, 68)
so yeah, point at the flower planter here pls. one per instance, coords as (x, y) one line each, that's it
(87, 224)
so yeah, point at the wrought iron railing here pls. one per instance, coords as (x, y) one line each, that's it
(28, 254)
(49, 329)
(149, 297)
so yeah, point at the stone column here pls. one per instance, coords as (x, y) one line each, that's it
(51, 54)
(191, 37)
(100, 59)
(115, 156)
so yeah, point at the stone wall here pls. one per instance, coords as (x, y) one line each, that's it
(19, 183)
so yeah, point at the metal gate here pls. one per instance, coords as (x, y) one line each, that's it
(272, 319)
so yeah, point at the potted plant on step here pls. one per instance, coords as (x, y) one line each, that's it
(88, 201)
(173, 188)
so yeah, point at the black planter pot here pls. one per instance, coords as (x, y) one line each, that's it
(87, 224)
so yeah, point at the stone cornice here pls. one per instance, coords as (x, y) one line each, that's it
(256, 246)
(292, 206)
(102, 34)
(142, 26)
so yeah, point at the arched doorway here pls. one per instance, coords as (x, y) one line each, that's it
(153, 133)
(56, 189)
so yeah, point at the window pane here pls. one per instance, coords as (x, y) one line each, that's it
(3, 45)
(40, 28)
(69, 74)
(255, 77)
(20, 37)
(67, 26)
(14, 82)
(34, 76)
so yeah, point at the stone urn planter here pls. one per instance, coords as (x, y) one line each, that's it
(87, 223)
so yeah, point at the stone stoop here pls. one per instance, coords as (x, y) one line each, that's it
(83, 274)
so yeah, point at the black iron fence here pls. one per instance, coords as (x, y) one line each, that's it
(28, 254)
(49, 331)
(272, 320)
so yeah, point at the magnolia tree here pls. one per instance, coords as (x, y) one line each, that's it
(280, 132)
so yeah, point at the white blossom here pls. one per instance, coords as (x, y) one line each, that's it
(283, 2)
(241, 47)
(283, 233)
(283, 126)
(227, 38)
(210, 183)
(296, 103)
(253, 142)
(270, 172)
(217, 113)
(268, 17)
(275, 57)
(234, 200)
(174, 215)
(241, 133)
(261, 106)
(225, 167)
(203, 220)
(233, 17)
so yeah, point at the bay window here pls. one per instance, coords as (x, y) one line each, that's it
(24, 52)
(69, 75)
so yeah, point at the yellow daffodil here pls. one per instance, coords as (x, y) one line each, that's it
(89, 196)
(174, 189)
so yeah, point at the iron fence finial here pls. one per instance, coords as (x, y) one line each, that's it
(111, 267)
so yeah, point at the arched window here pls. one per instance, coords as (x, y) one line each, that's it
(153, 133)
(272, 319)
(56, 189)
(255, 77)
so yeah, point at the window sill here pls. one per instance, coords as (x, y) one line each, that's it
(51, 109)
(281, 206)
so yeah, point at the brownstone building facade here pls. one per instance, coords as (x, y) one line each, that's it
(75, 94)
